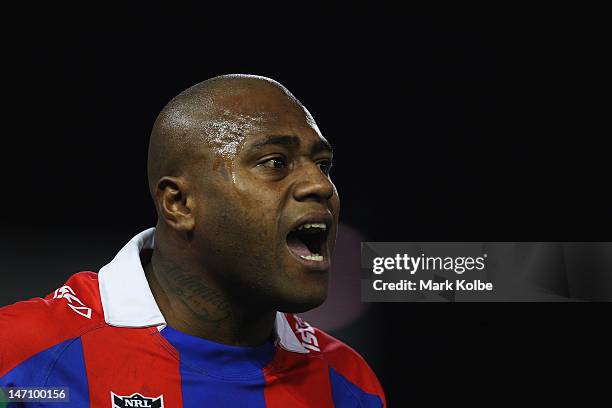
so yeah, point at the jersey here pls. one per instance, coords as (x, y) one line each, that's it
(103, 336)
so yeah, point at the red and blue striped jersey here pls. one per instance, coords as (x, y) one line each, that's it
(103, 336)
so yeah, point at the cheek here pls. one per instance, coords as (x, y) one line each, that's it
(235, 243)
(257, 197)
(243, 212)
(243, 219)
(260, 203)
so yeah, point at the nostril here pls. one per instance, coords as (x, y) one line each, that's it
(318, 187)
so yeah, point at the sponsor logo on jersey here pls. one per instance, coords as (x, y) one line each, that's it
(307, 333)
(66, 292)
(136, 400)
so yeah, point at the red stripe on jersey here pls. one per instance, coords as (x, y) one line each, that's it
(297, 380)
(339, 356)
(350, 364)
(139, 361)
(34, 325)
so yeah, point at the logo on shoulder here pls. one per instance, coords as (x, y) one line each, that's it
(136, 400)
(74, 302)
(307, 334)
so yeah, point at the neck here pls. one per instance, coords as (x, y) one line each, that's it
(193, 304)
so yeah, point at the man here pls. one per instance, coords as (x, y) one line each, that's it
(198, 311)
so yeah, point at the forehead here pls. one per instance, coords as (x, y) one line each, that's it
(310, 143)
(245, 120)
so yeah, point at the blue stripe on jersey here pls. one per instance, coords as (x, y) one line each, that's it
(59, 366)
(345, 393)
(200, 390)
(218, 374)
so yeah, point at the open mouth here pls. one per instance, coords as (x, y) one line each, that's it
(308, 242)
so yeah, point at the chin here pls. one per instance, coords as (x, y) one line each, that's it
(303, 301)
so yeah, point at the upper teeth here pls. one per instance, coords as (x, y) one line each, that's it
(313, 225)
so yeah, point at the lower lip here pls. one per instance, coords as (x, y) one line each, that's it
(310, 264)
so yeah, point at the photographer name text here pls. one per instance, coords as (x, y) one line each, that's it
(430, 284)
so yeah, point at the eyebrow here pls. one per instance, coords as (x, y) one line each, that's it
(291, 141)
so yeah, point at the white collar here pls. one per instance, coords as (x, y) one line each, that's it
(127, 300)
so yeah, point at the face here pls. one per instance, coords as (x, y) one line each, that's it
(266, 209)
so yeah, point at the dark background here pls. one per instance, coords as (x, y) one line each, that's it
(474, 124)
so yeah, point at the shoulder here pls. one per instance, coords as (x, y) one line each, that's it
(32, 326)
(346, 363)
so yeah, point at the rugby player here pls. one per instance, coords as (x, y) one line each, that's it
(199, 311)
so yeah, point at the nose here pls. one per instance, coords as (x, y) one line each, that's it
(313, 184)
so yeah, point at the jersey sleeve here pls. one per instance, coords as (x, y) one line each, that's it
(352, 381)
(35, 332)
(350, 374)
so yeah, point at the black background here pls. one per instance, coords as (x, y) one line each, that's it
(473, 124)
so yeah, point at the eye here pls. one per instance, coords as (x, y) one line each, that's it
(325, 166)
(274, 163)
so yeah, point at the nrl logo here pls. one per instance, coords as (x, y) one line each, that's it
(136, 400)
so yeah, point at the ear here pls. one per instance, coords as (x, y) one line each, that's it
(175, 203)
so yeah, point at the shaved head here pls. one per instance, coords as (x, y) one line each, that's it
(216, 114)
(236, 165)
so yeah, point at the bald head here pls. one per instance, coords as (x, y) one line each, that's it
(235, 163)
(213, 118)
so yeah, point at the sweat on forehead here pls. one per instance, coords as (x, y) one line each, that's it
(218, 113)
